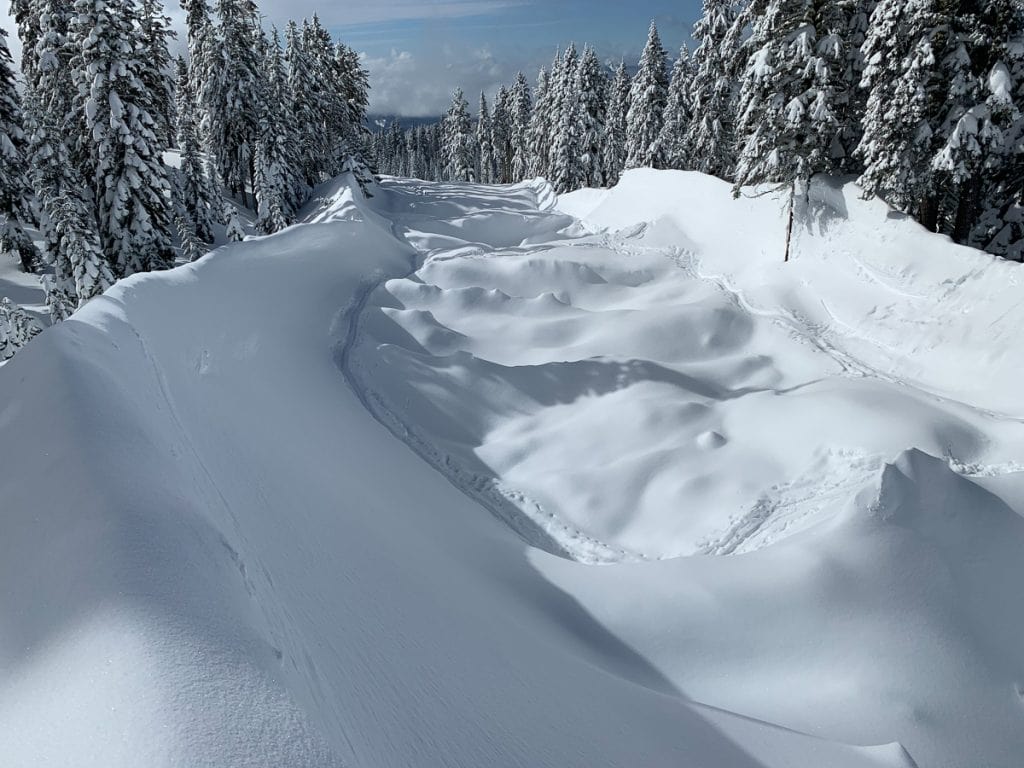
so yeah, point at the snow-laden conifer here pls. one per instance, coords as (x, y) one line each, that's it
(521, 107)
(678, 115)
(17, 328)
(483, 142)
(123, 155)
(15, 192)
(710, 139)
(613, 150)
(458, 140)
(592, 91)
(648, 96)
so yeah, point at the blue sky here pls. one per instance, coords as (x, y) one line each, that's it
(417, 51)
(477, 44)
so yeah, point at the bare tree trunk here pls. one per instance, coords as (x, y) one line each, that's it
(929, 213)
(792, 214)
(966, 211)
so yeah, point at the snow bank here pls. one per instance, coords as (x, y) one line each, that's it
(220, 550)
(897, 300)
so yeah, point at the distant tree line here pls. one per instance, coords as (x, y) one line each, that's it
(919, 99)
(84, 142)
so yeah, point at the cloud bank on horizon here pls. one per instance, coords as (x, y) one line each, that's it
(418, 51)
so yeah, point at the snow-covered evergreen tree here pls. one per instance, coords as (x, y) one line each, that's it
(81, 271)
(194, 188)
(540, 125)
(123, 154)
(502, 136)
(158, 72)
(458, 140)
(483, 142)
(613, 149)
(710, 140)
(67, 221)
(788, 128)
(592, 91)
(16, 328)
(648, 97)
(233, 229)
(15, 193)
(521, 110)
(274, 162)
(563, 144)
(904, 106)
(234, 120)
(678, 115)
(353, 86)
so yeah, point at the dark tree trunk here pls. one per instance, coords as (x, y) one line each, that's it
(929, 213)
(966, 211)
(792, 215)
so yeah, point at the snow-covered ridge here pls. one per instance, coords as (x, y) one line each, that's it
(222, 557)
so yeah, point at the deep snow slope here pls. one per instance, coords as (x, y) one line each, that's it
(331, 497)
(213, 555)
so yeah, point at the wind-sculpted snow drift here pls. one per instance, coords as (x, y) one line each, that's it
(218, 548)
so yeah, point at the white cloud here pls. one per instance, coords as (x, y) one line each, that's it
(421, 85)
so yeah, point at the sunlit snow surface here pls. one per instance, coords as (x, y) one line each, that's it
(336, 496)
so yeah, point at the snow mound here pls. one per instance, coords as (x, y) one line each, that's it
(220, 550)
(607, 388)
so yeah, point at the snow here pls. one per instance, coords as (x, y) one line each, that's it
(336, 496)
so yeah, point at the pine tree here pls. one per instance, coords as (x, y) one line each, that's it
(15, 192)
(67, 221)
(458, 140)
(157, 68)
(483, 142)
(710, 139)
(233, 116)
(563, 140)
(16, 328)
(613, 150)
(233, 229)
(592, 90)
(194, 191)
(788, 128)
(501, 136)
(678, 115)
(646, 115)
(540, 125)
(354, 87)
(274, 184)
(999, 225)
(124, 157)
(304, 103)
(902, 79)
(521, 111)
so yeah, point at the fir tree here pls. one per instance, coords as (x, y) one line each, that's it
(124, 157)
(710, 139)
(540, 125)
(678, 115)
(194, 192)
(591, 90)
(15, 192)
(16, 328)
(646, 115)
(458, 140)
(521, 110)
(787, 121)
(157, 68)
(483, 142)
(613, 150)
(903, 108)
(67, 221)
(502, 135)
(233, 116)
